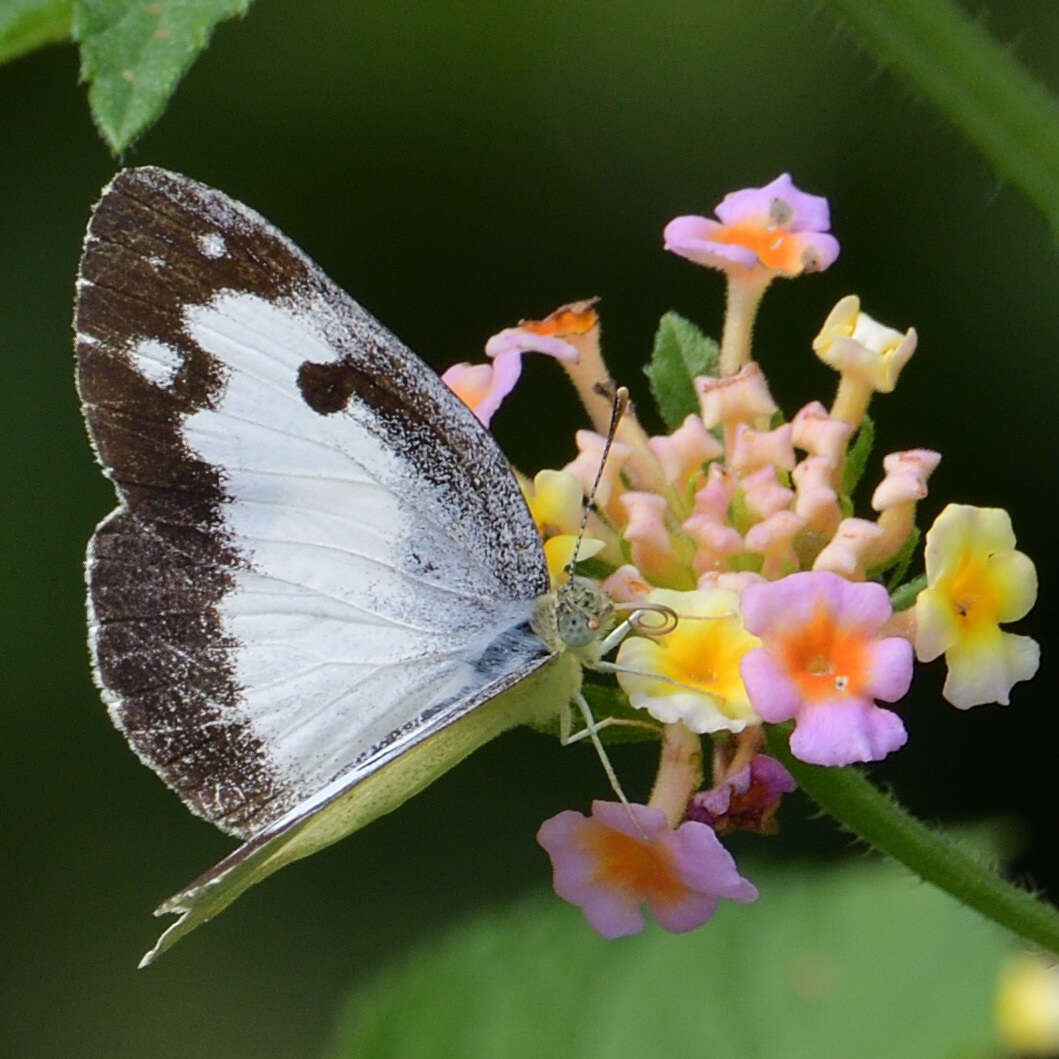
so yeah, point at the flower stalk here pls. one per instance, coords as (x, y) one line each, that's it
(744, 296)
(856, 803)
(679, 772)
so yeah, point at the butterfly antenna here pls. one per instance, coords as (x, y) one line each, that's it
(619, 404)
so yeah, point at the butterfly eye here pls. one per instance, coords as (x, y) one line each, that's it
(574, 630)
(580, 613)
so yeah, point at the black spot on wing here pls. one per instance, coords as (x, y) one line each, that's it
(326, 388)
(460, 475)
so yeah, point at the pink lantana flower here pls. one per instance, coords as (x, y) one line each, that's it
(775, 228)
(482, 387)
(608, 865)
(823, 663)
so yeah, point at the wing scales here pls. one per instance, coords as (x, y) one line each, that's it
(316, 543)
(380, 783)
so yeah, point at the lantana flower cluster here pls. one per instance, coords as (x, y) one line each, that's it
(788, 607)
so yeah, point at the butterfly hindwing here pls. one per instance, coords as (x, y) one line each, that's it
(367, 792)
(320, 558)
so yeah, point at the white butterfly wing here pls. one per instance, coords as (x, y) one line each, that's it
(365, 793)
(320, 558)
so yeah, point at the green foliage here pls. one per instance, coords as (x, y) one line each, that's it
(894, 569)
(606, 700)
(948, 55)
(857, 458)
(857, 960)
(902, 597)
(681, 351)
(594, 568)
(135, 51)
(876, 817)
(898, 566)
(133, 54)
(29, 24)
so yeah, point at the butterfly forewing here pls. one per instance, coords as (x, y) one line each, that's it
(319, 555)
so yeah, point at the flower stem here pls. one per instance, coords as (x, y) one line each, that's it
(848, 796)
(679, 772)
(744, 296)
(595, 387)
(851, 401)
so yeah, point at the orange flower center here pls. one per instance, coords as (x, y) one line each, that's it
(639, 868)
(823, 658)
(577, 319)
(775, 247)
(973, 597)
(691, 659)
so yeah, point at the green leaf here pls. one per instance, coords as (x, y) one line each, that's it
(596, 569)
(29, 24)
(855, 960)
(681, 351)
(903, 559)
(605, 700)
(133, 53)
(898, 563)
(902, 597)
(974, 81)
(857, 457)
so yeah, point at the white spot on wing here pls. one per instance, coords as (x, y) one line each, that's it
(156, 361)
(212, 245)
(156, 261)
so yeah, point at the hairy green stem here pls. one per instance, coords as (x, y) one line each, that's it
(973, 81)
(848, 796)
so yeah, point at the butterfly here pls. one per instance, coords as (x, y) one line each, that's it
(321, 587)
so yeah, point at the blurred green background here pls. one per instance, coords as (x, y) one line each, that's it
(457, 167)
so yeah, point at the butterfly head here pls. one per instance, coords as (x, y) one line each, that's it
(581, 611)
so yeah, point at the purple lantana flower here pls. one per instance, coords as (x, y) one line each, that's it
(746, 800)
(822, 662)
(608, 865)
(777, 228)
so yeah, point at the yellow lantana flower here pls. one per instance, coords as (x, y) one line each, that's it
(853, 343)
(555, 504)
(976, 580)
(1026, 1006)
(692, 673)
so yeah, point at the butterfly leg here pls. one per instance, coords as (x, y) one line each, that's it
(591, 729)
(611, 667)
(615, 637)
(576, 737)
